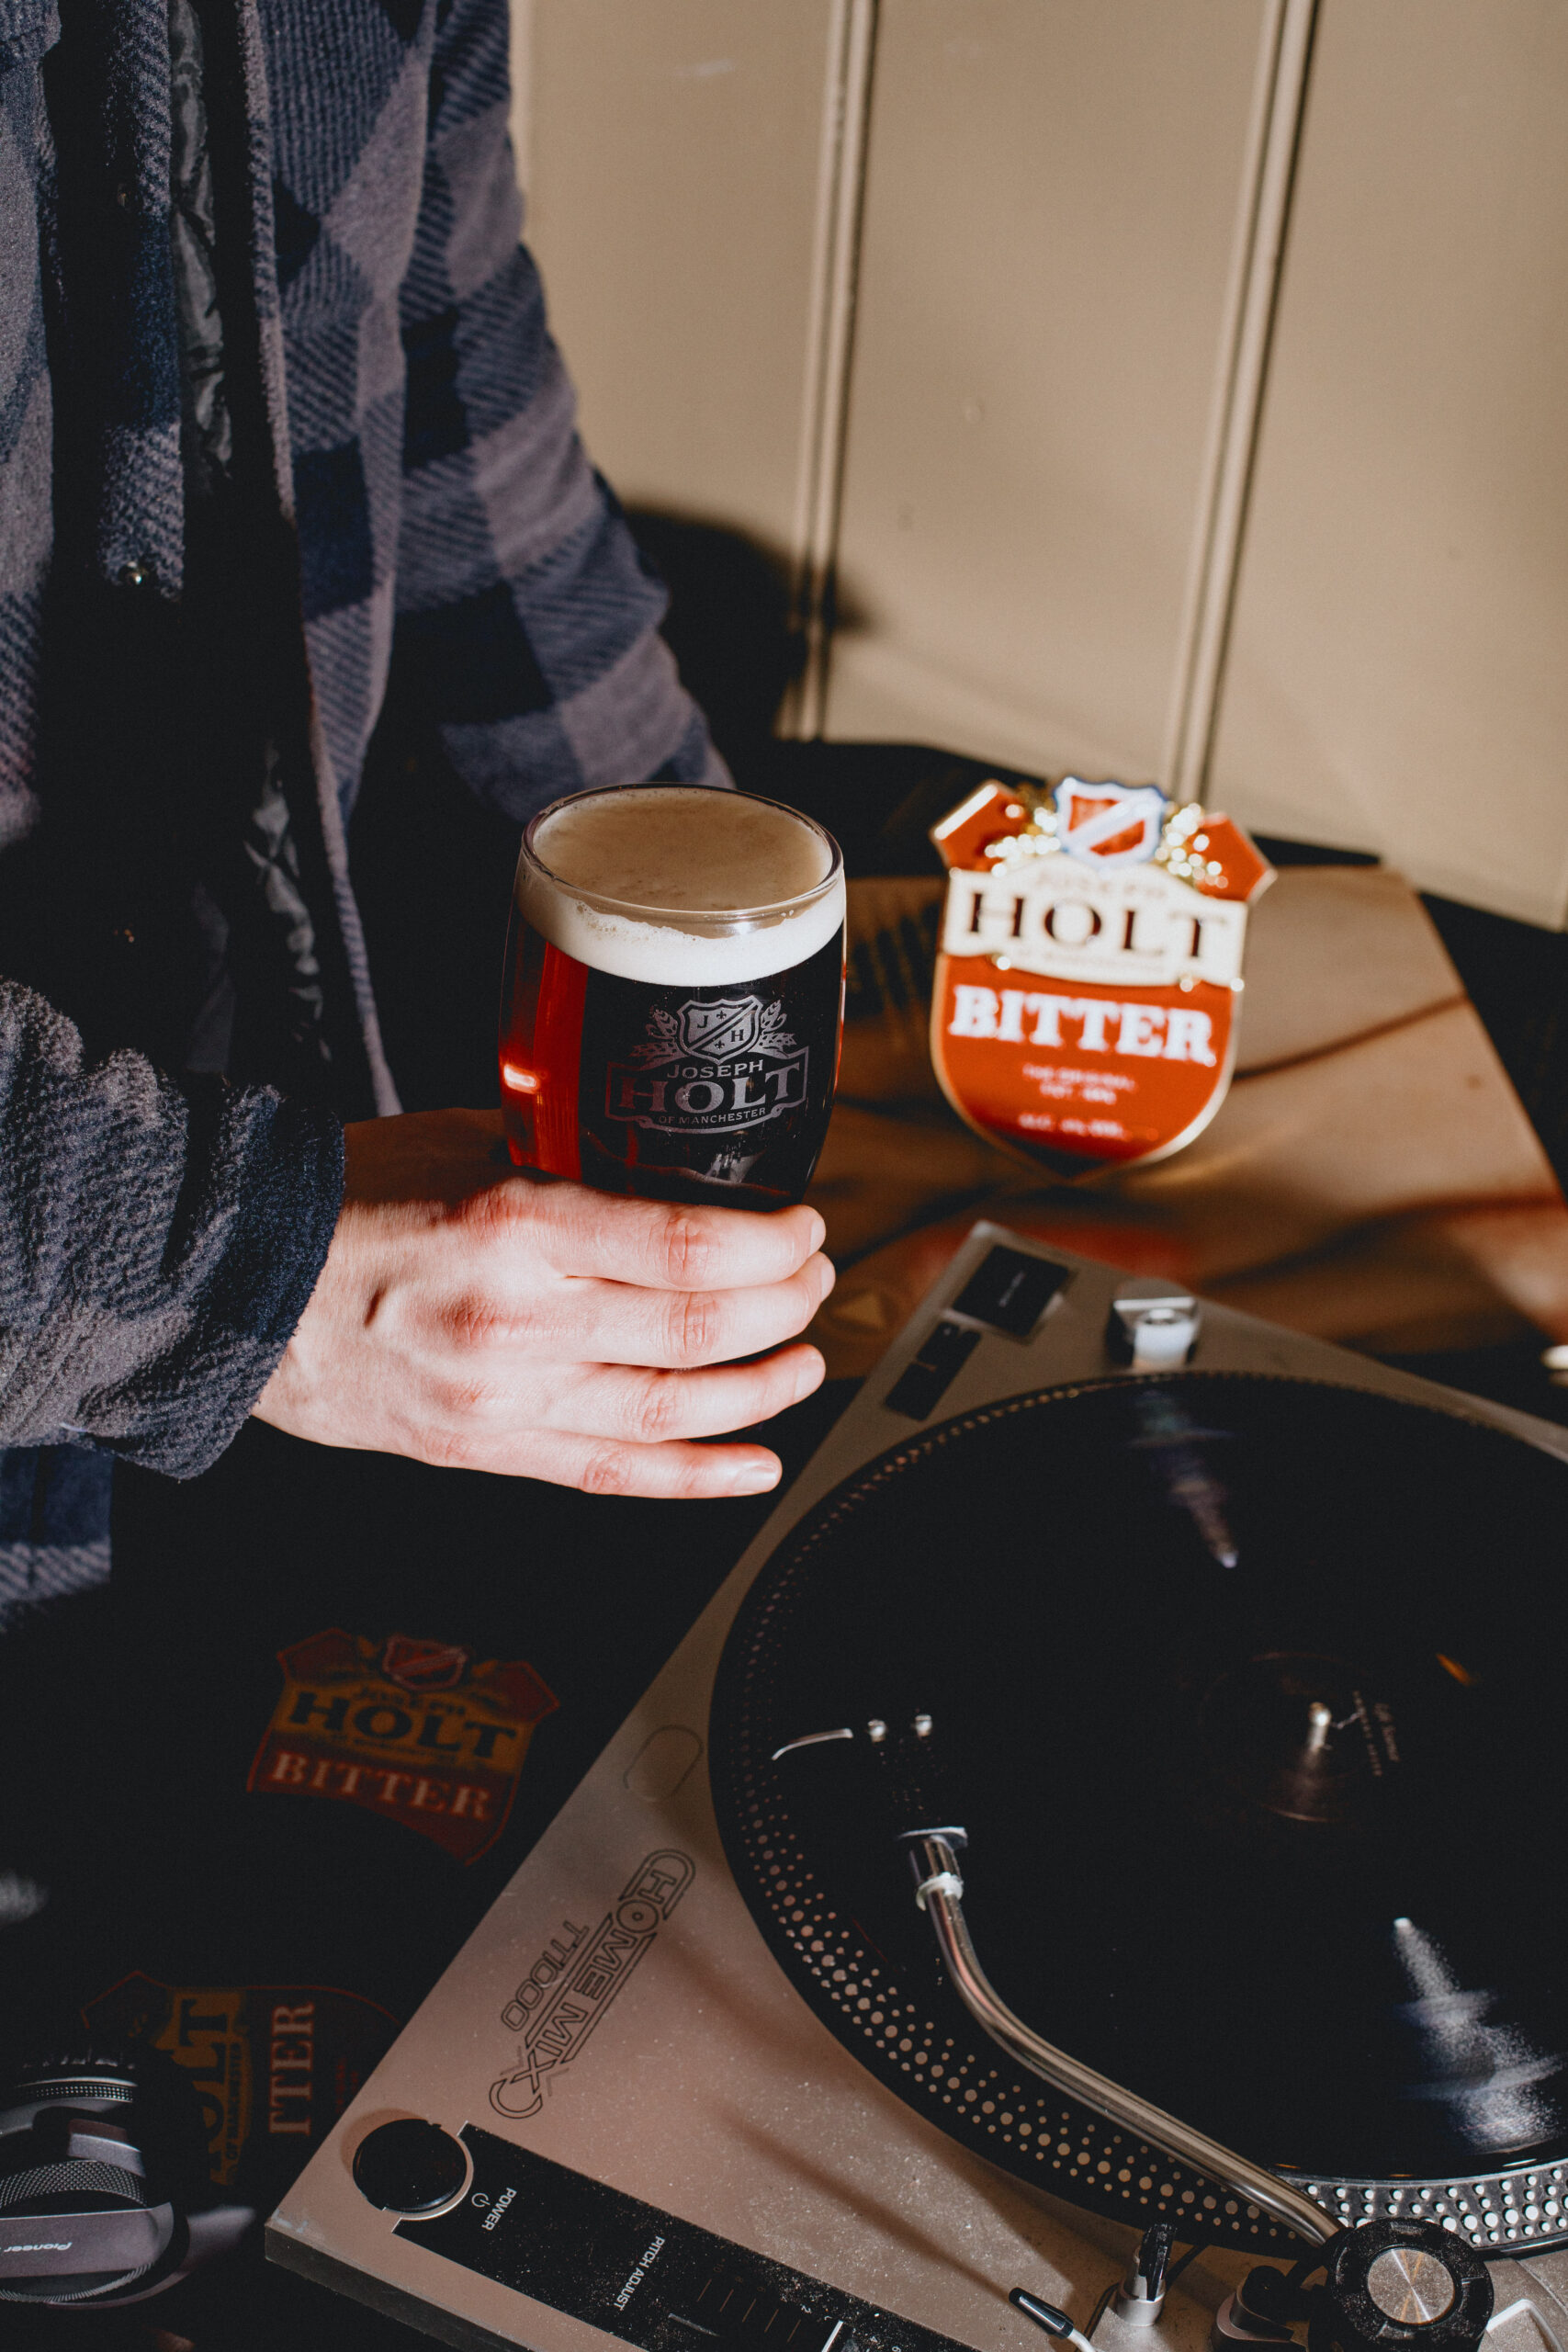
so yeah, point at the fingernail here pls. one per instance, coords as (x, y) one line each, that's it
(754, 1477)
(820, 1235)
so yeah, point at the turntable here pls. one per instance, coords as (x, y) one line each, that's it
(1114, 1810)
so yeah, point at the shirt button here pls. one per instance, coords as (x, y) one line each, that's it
(136, 574)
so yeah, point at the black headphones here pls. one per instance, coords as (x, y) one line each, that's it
(104, 2189)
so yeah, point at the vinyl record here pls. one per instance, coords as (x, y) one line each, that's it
(1251, 1698)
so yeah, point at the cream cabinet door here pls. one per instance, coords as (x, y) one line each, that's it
(1397, 672)
(672, 152)
(1051, 206)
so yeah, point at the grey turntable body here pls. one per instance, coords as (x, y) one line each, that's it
(617, 2014)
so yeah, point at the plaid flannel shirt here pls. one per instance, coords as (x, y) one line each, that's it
(451, 536)
(448, 520)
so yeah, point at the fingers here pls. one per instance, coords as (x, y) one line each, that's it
(655, 1245)
(657, 1407)
(616, 1323)
(665, 1472)
(625, 1432)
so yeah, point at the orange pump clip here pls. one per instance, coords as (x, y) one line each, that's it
(1086, 986)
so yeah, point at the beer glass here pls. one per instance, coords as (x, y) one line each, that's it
(673, 994)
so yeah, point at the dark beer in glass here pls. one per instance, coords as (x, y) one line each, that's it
(673, 994)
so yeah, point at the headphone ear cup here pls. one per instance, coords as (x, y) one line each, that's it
(132, 2090)
(103, 2152)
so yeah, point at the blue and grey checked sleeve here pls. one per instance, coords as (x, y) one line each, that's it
(158, 1244)
(527, 621)
(450, 524)
(25, 415)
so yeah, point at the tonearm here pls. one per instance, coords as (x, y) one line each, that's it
(1386, 2284)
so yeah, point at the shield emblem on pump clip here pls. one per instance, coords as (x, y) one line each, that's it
(1109, 824)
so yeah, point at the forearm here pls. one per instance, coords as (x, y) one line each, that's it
(158, 1244)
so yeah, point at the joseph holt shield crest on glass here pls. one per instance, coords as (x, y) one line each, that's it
(723, 1030)
(1087, 987)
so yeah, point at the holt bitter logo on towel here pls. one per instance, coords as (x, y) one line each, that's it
(1084, 1010)
(416, 1730)
(274, 2066)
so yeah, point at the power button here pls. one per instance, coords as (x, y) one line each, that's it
(410, 2167)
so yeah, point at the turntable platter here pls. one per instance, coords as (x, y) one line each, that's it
(1250, 1692)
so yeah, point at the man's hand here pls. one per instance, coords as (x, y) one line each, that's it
(471, 1317)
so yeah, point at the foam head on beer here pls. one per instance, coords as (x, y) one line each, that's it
(612, 874)
(673, 993)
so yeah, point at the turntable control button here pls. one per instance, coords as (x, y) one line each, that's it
(943, 1355)
(410, 2167)
(1162, 1337)
(1411, 2286)
(1152, 1331)
(1391, 2281)
(1010, 1292)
